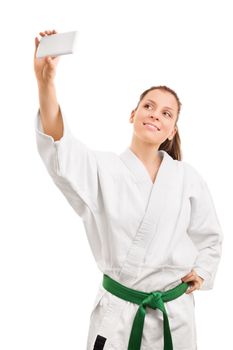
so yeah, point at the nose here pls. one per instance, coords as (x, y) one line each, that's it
(154, 116)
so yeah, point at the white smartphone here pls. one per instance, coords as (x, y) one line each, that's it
(57, 44)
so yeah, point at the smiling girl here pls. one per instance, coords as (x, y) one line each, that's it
(149, 219)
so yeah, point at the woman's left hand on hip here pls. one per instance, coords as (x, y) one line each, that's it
(194, 280)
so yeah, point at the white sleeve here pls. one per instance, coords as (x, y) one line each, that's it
(206, 233)
(71, 164)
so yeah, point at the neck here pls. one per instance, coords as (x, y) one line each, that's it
(147, 152)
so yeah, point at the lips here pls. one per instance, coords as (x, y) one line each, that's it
(155, 126)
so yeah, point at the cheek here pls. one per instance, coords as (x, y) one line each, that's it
(170, 128)
(167, 126)
(138, 124)
(140, 117)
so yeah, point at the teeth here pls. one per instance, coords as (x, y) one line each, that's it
(151, 125)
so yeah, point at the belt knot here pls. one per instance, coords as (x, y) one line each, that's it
(153, 300)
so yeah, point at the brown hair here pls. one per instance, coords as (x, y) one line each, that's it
(172, 147)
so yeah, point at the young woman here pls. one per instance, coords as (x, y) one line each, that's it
(149, 218)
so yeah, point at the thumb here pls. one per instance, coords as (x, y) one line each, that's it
(48, 59)
(50, 66)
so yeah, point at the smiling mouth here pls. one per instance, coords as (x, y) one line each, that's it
(153, 127)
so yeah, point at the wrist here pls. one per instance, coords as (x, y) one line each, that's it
(48, 85)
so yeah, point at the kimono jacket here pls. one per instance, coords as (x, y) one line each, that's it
(145, 235)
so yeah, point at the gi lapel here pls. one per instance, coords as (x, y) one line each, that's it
(164, 196)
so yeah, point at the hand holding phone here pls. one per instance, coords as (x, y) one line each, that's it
(45, 67)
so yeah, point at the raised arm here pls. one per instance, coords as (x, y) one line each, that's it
(45, 71)
(71, 164)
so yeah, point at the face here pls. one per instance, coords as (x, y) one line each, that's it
(160, 109)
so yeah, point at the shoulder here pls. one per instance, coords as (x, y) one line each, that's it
(193, 176)
(189, 170)
(107, 159)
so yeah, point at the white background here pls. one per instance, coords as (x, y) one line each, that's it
(48, 277)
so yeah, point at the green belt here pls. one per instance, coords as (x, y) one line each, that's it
(154, 300)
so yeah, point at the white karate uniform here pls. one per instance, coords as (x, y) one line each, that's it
(146, 236)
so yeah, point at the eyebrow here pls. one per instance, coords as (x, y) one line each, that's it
(155, 104)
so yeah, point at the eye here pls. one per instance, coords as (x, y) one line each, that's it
(168, 114)
(146, 105)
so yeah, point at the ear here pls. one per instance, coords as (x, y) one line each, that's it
(132, 116)
(173, 133)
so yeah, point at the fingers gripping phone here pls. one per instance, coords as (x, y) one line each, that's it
(57, 44)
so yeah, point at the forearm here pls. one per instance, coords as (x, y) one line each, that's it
(50, 113)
